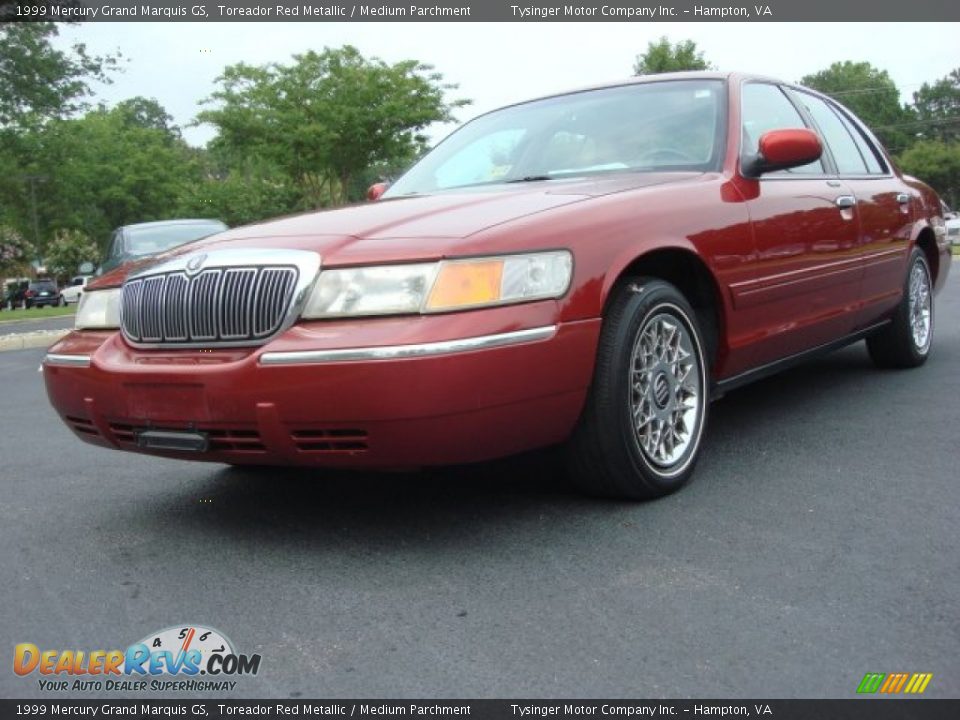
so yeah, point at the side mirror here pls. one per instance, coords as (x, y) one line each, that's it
(86, 268)
(783, 149)
(376, 190)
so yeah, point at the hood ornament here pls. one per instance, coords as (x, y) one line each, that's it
(195, 263)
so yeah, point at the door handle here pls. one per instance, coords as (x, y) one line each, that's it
(845, 201)
(903, 198)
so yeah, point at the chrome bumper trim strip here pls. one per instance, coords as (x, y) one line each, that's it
(68, 360)
(392, 352)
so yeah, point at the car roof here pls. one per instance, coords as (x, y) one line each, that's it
(660, 77)
(172, 223)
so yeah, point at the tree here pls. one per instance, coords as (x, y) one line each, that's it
(240, 195)
(662, 57)
(938, 164)
(871, 95)
(68, 251)
(15, 252)
(147, 113)
(938, 108)
(39, 82)
(103, 170)
(328, 116)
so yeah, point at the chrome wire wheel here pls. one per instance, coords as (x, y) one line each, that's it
(667, 393)
(920, 308)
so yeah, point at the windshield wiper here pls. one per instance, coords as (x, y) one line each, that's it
(530, 178)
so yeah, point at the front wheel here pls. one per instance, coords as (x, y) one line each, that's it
(639, 435)
(905, 342)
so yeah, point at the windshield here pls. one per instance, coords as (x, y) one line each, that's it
(658, 126)
(153, 240)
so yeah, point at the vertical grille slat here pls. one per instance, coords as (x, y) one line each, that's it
(130, 308)
(218, 305)
(235, 303)
(151, 309)
(175, 308)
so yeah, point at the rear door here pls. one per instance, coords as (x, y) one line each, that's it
(883, 202)
(805, 287)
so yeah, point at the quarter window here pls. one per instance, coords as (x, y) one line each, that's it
(836, 136)
(874, 166)
(766, 108)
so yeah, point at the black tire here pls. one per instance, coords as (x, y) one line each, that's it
(896, 345)
(607, 454)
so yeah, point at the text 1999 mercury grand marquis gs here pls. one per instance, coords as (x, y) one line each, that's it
(587, 268)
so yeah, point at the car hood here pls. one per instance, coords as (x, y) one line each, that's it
(451, 215)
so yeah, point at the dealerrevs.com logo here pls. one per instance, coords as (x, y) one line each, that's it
(186, 658)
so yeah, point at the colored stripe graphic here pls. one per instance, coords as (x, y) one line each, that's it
(918, 683)
(894, 683)
(871, 682)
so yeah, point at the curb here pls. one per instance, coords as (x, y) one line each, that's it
(25, 341)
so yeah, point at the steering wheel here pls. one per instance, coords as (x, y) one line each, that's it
(665, 154)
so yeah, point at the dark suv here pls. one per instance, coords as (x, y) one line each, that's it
(40, 293)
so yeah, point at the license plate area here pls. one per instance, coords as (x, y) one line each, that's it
(179, 441)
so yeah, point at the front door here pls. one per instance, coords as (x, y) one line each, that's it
(806, 281)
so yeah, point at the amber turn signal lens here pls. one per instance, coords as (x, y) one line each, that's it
(462, 284)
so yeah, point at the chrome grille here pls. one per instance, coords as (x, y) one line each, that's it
(219, 305)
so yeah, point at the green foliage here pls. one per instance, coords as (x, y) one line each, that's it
(241, 195)
(104, 170)
(938, 108)
(327, 117)
(871, 95)
(39, 82)
(937, 163)
(147, 113)
(662, 57)
(69, 250)
(15, 252)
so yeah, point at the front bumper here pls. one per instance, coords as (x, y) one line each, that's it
(376, 393)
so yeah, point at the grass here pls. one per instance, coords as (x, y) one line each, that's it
(20, 315)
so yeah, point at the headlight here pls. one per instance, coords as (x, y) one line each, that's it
(99, 310)
(440, 287)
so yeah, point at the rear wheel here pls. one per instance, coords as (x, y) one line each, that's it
(639, 435)
(906, 341)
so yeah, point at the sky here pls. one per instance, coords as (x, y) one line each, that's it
(496, 64)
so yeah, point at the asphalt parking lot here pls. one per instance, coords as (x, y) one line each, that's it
(818, 542)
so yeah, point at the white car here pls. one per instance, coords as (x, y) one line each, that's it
(71, 294)
(952, 221)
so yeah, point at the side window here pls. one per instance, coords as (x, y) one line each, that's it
(763, 108)
(874, 164)
(835, 135)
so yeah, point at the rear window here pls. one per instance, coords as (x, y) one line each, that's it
(43, 285)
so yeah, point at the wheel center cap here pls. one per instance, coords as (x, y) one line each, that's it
(661, 390)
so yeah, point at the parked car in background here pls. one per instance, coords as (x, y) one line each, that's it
(42, 293)
(151, 238)
(73, 291)
(590, 268)
(952, 221)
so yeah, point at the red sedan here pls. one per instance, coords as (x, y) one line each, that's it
(589, 268)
